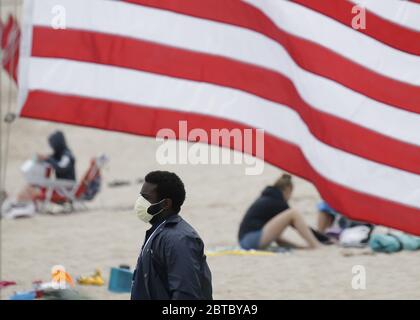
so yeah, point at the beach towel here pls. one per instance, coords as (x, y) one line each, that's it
(238, 251)
(394, 242)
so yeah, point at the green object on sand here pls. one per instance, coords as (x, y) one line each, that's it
(393, 243)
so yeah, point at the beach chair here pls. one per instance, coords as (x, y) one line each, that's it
(67, 193)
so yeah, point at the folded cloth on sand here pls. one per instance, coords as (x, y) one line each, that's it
(393, 242)
(356, 237)
(12, 210)
(410, 242)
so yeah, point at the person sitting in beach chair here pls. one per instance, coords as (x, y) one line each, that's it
(43, 189)
(72, 194)
(61, 161)
(268, 217)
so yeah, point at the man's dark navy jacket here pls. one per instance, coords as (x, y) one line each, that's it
(172, 264)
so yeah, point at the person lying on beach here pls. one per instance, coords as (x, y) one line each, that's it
(326, 216)
(332, 222)
(268, 217)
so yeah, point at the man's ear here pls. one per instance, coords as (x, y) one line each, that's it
(167, 204)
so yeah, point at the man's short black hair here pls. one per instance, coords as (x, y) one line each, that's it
(168, 186)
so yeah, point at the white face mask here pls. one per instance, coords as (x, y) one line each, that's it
(141, 209)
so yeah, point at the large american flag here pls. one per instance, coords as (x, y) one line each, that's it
(340, 107)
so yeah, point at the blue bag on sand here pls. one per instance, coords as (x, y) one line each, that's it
(409, 242)
(30, 295)
(393, 243)
(120, 280)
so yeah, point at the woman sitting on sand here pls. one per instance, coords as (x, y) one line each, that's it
(268, 217)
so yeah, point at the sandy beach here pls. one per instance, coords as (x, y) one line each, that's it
(109, 234)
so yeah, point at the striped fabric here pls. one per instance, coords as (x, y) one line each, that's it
(340, 107)
(9, 41)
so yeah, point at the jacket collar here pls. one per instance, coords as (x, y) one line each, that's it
(158, 226)
(173, 219)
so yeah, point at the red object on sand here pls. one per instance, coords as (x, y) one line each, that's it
(39, 294)
(4, 284)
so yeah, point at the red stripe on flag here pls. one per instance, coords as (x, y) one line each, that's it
(309, 55)
(124, 52)
(394, 35)
(141, 120)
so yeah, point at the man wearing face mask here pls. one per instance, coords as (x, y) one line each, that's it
(171, 264)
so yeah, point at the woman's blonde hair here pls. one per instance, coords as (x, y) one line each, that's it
(284, 182)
